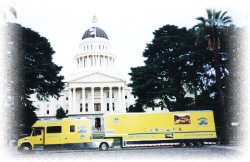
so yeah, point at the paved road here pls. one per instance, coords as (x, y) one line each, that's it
(150, 153)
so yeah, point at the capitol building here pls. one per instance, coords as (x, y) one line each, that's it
(95, 87)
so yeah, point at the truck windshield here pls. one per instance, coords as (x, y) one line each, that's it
(36, 132)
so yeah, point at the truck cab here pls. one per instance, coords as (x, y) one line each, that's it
(35, 139)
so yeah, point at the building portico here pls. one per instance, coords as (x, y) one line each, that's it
(96, 99)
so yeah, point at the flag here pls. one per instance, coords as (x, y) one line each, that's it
(92, 31)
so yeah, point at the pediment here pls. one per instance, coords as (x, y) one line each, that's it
(97, 78)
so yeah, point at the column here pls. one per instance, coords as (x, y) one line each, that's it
(87, 61)
(112, 61)
(70, 101)
(97, 61)
(110, 100)
(107, 63)
(119, 98)
(79, 63)
(92, 100)
(123, 100)
(102, 101)
(83, 99)
(74, 100)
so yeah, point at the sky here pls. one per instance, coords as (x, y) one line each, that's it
(129, 24)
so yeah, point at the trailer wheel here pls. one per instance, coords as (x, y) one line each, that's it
(198, 143)
(103, 146)
(183, 144)
(191, 144)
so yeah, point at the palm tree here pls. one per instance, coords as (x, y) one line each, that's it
(211, 27)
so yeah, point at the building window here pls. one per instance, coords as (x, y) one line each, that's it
(80, 95)
(86, 107)
(67, 98)
(107, 94)
(153, 109)
(113, 106)
(86, 95)
(80, 107)
(72, 128)
(98, 107)
(113, 94)
(47, 111)
(107, 106)
(126, 97)
(54, 129)
(67, 111)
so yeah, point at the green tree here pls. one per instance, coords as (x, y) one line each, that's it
(135, 108)
(168, 72)
(211, 28)
(60, 113)
(30, 70)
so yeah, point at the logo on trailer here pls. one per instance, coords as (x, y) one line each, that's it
(82, 129)
(116, 120)
(169, 136)
(82, 137)
(203, 121)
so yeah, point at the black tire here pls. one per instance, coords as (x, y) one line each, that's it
(103, 146)
(183, 144)
(198, 143)
(26, 148)
(191, 144)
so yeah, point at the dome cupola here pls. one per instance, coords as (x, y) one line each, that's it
(95, 51)
(95, 32)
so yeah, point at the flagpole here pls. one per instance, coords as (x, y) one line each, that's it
(94, 20)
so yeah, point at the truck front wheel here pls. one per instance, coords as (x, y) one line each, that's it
(103, 146)
(25, 148)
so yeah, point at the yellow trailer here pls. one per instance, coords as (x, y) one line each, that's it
(67, 133)
(156, 129)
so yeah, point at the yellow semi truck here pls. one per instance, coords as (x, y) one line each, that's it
(186, 128)
(66, 133)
